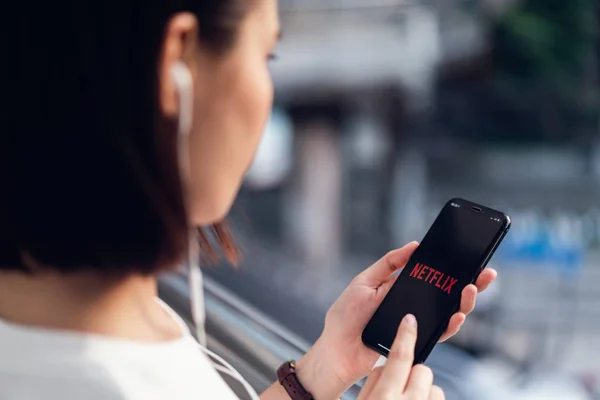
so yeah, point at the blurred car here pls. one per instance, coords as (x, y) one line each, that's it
(256, 345)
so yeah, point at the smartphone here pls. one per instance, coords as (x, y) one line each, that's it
(452, 254)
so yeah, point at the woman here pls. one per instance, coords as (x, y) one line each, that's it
(130, 124)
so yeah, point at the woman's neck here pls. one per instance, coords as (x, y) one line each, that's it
(122, 308)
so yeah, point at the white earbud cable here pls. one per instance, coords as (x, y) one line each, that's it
(183, 80)
(226, 368)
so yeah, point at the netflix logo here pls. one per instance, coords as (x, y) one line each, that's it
(434, 277)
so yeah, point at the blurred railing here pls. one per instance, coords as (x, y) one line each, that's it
(250, 341)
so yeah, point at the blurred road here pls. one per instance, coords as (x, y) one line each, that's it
(557, 315)
(544, 319)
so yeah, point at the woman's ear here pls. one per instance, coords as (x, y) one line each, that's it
(179, 42)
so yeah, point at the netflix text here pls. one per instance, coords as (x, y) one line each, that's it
(434, 277)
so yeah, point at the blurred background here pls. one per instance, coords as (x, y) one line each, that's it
(385, 109)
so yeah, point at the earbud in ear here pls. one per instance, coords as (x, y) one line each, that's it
(182, 77)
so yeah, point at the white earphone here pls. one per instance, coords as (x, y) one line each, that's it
(182, 78)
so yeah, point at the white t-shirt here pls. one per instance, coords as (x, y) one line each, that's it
(38, 363)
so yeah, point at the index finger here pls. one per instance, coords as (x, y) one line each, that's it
(397, 369)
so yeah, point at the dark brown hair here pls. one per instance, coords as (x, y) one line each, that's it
(85, 180)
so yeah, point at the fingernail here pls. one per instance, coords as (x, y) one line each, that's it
(410, 320)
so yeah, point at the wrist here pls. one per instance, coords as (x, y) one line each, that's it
(316, 373)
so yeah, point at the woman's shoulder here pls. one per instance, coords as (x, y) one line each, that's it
(20, 385)
(185, 374)
(119, 379)
(49, 364)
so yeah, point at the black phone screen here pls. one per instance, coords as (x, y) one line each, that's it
(450, 256)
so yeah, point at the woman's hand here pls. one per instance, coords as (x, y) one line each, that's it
(399, 380)
(339, 357)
